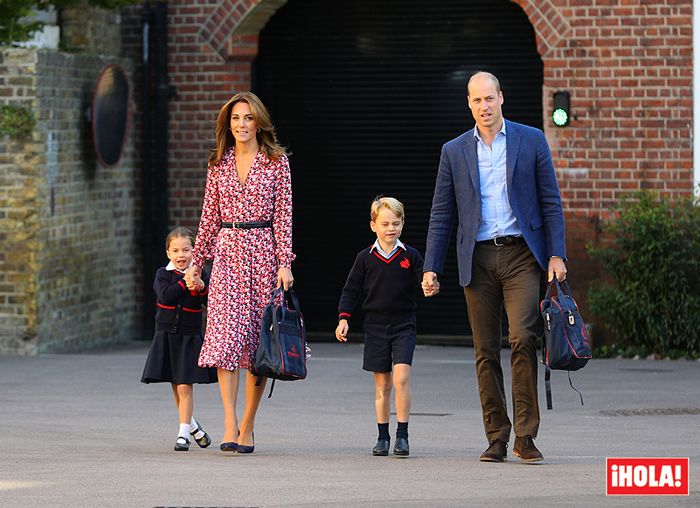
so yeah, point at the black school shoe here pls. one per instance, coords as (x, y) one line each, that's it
(203, 441)
(401, 447)
(381, 449)
(182, 444)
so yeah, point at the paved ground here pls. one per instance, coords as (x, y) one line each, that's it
(81, 431)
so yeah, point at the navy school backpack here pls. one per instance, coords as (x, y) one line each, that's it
(281, 353)
(566, 345)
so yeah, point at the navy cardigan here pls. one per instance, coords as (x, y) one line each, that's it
(177, 309)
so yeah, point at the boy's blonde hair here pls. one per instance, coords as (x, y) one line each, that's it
(179, 233)
(392, 204)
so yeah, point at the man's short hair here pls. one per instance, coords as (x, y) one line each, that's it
(488, 75)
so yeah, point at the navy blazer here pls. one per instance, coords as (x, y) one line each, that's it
(533, 194)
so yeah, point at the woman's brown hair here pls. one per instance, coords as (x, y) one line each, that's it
(266, 136)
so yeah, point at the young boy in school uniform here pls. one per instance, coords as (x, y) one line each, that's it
(384, 279)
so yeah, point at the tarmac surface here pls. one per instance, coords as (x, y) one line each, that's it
(81, 431)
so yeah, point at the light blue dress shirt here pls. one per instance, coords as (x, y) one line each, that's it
(497, 217)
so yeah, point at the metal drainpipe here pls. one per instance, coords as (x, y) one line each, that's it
(163, 94)
(147, 243)
(155, 151)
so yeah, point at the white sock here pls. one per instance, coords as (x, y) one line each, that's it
(184, 430)
(193, 427)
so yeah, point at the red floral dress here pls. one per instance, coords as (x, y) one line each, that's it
(246, 261)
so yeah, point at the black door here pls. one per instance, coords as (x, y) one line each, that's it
(364, 94)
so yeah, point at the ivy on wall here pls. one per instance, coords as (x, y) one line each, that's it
(15, 29)
(16, 121)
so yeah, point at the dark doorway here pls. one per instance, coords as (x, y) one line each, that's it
(364, 94)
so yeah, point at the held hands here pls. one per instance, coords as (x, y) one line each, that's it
(556, 267)
(341, 331)
(193, 278)
(285, 278)
(430, 284)
(196, 285)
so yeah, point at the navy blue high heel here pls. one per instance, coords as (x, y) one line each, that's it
(246, 448)
(229, 446)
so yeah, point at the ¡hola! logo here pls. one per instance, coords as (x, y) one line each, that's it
(661, 476)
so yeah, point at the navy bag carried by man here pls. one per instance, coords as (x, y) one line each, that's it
(566, 345)
(281, 353)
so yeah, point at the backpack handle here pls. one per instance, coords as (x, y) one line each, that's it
(562, 287)
(289, 294)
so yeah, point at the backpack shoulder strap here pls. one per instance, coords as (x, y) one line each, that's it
(548, 385)
(258, 382)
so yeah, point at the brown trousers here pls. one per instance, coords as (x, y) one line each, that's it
(505, 276)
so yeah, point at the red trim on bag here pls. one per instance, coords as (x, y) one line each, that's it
(566, 336)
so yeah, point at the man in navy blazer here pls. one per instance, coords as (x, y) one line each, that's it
(499, 180)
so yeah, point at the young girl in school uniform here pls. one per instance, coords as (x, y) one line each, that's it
(178, 337)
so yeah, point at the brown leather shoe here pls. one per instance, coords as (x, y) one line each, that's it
(496, 452)
(525, 448)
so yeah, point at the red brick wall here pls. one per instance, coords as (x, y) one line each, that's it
(627, 64)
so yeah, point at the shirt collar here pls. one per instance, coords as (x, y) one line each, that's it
(399, 244)
(503, 131)
(172, 267)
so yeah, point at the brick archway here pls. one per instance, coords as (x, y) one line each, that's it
(628, 67)
(551, 27)
(232, 28)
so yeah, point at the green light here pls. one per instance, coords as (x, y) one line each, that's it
(561, 108)
(560, 117)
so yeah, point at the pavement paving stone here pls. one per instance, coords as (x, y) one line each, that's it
(82, 431)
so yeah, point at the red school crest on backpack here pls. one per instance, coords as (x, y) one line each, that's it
(405, 263)
(293, 352)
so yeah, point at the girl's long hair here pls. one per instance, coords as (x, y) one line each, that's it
(266, 136)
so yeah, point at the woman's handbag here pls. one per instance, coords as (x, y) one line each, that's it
(281, 353)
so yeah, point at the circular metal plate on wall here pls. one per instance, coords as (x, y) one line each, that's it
(110, 114)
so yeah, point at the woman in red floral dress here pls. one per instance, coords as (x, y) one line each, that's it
(246, 227)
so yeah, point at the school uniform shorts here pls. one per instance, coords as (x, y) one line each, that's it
(387, 344)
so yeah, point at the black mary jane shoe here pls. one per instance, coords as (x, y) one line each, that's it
(203, 441)
(401, 447)
(381, 449)
(182, 444)
(246, 448)
(229, 447)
